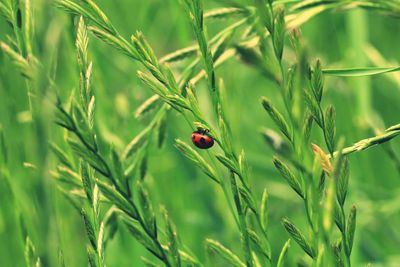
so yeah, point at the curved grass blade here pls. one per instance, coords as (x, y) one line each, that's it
(358, 72)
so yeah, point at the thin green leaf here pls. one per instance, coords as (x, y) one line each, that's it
(89, 229)
(343, 181)
(338, 216)
(289, 176)
(330, 128)
(278, 36)
(351, 228)
(147, 106)
(136, 143)
(218, 248)
(147, 210)
(173, 245)
(317, 81)
(87, 182)
(194, 156)
(282, 255)
(357, 72)
(261, 245)
(295, 233)
(119, 200)
(229, 164)
(264, 210)
(61, 155)
(141, 236)
(88, 155)
(277, 117)
(91, 257)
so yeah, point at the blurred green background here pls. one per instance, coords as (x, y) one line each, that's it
(199, 210)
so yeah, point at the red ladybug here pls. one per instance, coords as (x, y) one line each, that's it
(202, 140)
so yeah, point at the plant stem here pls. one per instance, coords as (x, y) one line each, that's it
(242, 220)
(344, 238)
(364, 144)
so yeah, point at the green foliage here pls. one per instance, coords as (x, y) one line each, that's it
(298, 237)
(351, 228)
(277, 118)
(283, 254)
(216, 247)
(290, 178)
(112, 114)
(197, 159)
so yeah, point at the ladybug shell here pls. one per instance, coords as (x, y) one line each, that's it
(202, 140)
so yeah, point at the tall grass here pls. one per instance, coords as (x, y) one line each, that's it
(111, 177)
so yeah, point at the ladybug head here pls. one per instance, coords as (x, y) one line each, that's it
(202, 130)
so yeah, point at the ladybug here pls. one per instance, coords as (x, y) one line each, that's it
(201, 139)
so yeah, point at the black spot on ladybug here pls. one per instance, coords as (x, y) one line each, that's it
(202, 140)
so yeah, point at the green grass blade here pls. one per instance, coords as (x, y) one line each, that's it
(358, 72)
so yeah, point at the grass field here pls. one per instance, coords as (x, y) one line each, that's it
(99, 100)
